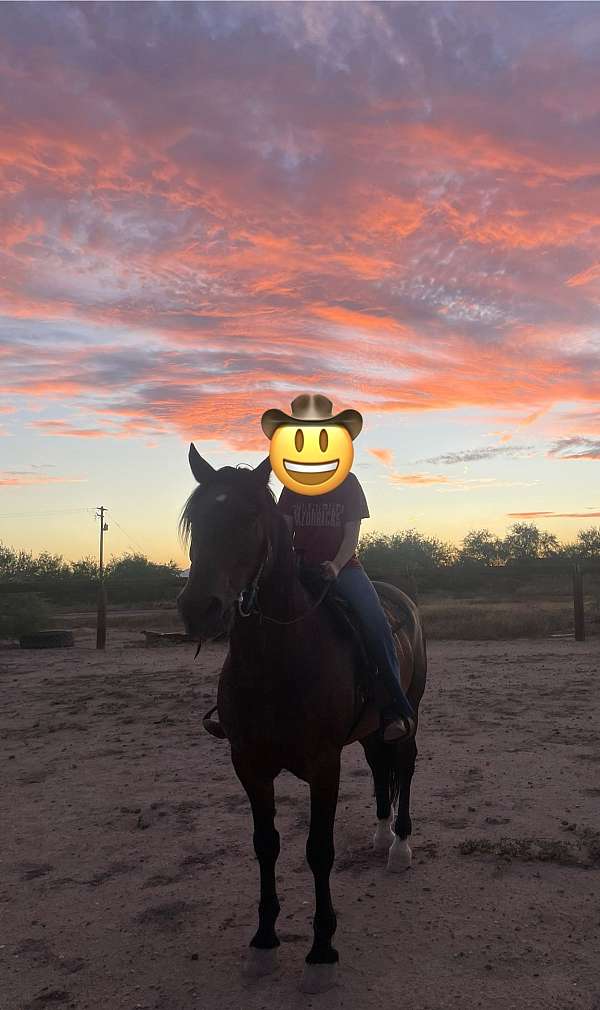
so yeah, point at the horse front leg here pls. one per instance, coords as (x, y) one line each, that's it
(320, 970)
(262, 958)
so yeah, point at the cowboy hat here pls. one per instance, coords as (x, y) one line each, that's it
(311, 408)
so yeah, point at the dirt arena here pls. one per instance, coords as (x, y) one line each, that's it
(129, 881)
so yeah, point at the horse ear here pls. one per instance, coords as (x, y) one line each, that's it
(202, 471)
(263, 470)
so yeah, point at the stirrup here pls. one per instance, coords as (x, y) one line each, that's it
(213, 726)
(400, 727)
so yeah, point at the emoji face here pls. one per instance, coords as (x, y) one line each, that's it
(312, 458)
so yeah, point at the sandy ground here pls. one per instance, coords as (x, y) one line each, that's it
(129, 881)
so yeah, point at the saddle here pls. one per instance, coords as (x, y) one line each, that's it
(370, 695)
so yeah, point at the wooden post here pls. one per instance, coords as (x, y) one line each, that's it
(101, 612)
(578, 604)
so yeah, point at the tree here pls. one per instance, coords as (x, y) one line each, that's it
(482, 547)
(587, 544)
(23, 565)
(51, 566)
(8, 562)
(138, 566)
(525, 542)
(408, 549)
(85, 568)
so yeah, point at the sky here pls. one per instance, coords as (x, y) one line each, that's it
(207, 209)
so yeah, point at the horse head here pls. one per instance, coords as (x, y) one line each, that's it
(225, 524)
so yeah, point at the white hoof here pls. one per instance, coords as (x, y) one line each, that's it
(261, 962)
(384, 836)
(400, 856)
(318, 977)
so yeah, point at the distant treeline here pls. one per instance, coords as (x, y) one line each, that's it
(129, 578)
(25, 565)
(482, 561)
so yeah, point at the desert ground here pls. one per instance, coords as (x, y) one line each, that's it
(129, 880)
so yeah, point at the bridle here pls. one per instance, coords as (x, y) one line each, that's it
(249, 596)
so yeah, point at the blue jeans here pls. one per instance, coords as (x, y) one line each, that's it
(354, 585)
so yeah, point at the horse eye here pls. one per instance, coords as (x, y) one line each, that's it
(323, 440)
(299, 440)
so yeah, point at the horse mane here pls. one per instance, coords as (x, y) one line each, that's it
(239, 478)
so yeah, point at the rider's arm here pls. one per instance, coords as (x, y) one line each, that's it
(348, 544)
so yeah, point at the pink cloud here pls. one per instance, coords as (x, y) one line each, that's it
(403, 247)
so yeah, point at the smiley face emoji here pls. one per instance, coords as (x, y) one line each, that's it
(311, 459)
(311, 451)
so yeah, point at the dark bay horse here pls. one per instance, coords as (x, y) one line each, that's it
(286, 695)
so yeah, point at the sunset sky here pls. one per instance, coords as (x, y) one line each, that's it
(207, 209)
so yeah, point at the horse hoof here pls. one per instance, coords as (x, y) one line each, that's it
(384, 836)
(400, 856)
(318, 977)
(261, 962)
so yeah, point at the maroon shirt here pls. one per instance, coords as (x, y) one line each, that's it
(319, 519)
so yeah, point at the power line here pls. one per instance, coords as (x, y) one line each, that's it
(40, 515)
(60, 512)
(137, 546)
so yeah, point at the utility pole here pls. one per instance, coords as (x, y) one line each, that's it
(101, 612)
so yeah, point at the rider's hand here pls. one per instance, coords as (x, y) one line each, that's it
(329, 569)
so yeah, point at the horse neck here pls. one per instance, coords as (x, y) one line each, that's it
(281, 593)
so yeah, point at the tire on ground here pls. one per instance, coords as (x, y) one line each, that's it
(54, 639)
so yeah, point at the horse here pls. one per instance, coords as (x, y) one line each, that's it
(286, 696)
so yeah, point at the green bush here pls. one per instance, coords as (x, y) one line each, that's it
(22, 614)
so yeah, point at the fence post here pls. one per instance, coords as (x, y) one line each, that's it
(578, 604)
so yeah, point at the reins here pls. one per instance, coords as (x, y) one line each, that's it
(252, 600)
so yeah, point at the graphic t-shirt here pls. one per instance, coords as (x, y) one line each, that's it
(319, 519)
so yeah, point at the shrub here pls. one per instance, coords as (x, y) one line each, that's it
(22, 614)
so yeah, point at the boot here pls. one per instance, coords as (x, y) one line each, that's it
(397, 716)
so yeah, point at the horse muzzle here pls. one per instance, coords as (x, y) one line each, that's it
(203, 619)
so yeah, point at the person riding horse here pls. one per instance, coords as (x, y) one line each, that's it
(286, 694)
(325, 529)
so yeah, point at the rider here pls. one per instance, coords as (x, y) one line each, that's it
(325, 528)
(328, 536)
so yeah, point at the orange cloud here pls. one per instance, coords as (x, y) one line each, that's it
(385, 455)
(591, 274)
(419, 478)
(456, 484)
(63, 428)
(553, 515)
(10, 478)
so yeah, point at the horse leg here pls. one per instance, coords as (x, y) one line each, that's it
(400, 854)
(262, 958)
(378, 762)
(320, 970)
